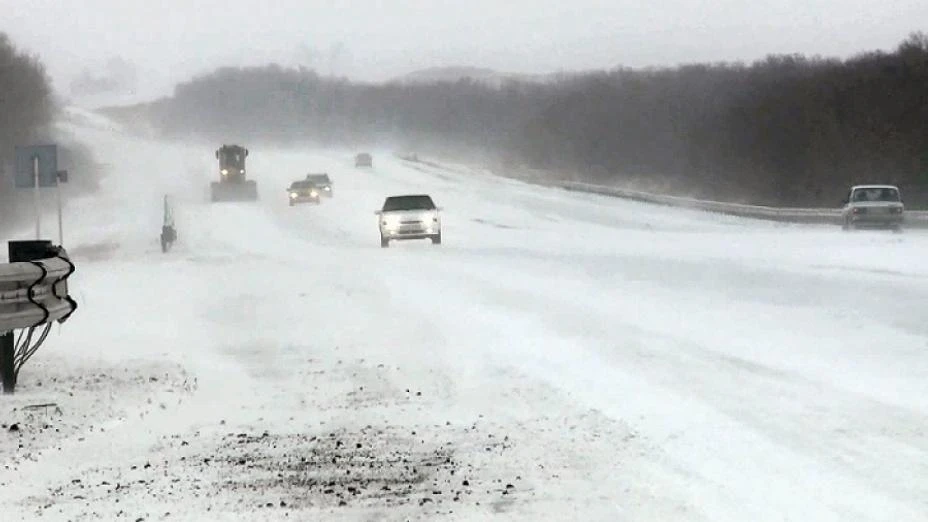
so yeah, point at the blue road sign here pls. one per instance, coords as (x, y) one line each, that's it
(48, 165)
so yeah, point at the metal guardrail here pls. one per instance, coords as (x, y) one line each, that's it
(33, 295)
(823, 216)
(812, 216)
(35, 292)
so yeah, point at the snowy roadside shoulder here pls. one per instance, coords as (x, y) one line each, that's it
(60, 403)
(365, 449)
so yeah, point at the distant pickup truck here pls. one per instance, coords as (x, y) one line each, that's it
(873, 206)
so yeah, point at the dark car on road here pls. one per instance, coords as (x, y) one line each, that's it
(322, 182)
(363, 160)
(303, 192)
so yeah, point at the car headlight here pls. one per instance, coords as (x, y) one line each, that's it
(313, 193)
(225, 171)
(241, 171)
(293, 195)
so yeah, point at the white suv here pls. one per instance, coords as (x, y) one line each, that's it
(409, 217)
(876, 206)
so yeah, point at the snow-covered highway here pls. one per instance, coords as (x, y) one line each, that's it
(560, 357)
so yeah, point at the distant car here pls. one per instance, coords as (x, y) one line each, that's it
(363, 160)
(873, 206)
(322, 182)
(303, 191)
(409, 217)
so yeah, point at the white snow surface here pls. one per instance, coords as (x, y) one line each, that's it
(560, 357)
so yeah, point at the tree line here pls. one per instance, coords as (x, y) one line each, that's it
(27, 112)
(785, 130)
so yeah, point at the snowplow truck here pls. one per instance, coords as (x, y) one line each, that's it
(232, 184)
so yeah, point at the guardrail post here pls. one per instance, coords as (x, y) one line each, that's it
(7, 372)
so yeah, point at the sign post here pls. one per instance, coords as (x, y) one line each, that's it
(37, 167)
(61, 177)
(168, 233)
(36, 197)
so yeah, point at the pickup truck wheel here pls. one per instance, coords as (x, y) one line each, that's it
(436, 240)
(384, 242)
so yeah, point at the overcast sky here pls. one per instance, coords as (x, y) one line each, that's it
(169, 40)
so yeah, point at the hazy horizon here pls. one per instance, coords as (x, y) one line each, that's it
(142, 49)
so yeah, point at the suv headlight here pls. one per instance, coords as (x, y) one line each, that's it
(293, 195)
(225, 171)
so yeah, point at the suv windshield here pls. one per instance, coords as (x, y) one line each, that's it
(408, 203)
(875, 194)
